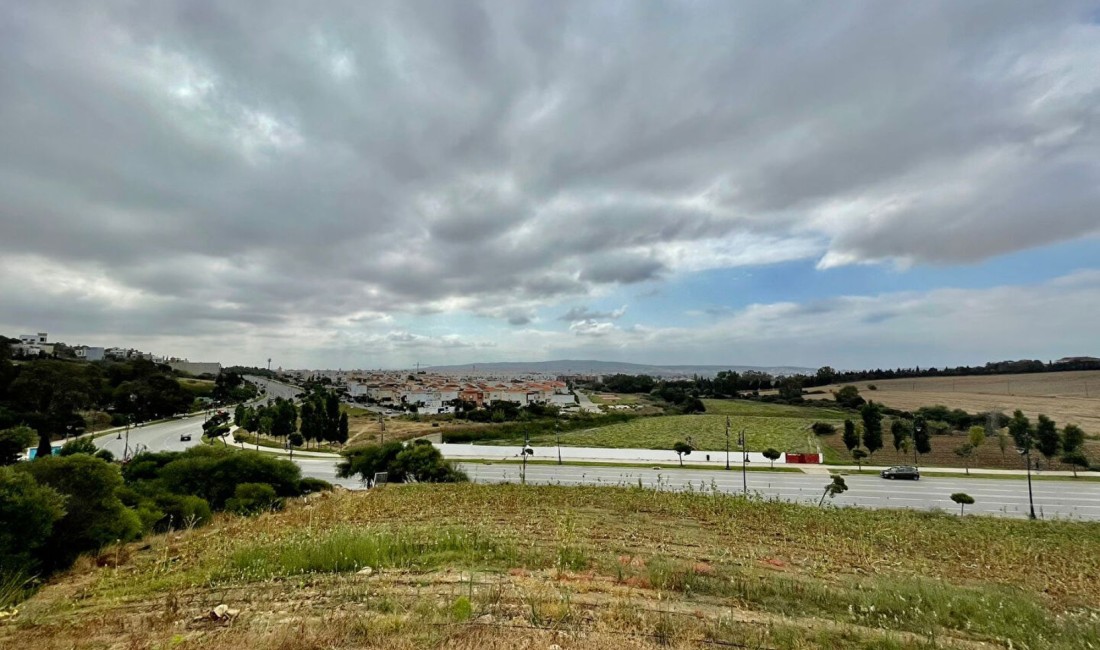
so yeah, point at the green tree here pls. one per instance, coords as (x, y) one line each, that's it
(78, 446)
(922, 437)
(1075, 459)
(423, 463)
(342, 429)
(963, 499)
(976, 436)
(14, 443)
(858, 455)
(1047, 440)
(681, 448)
(94, 514)
(1072, 438)
(900, 431)
(772, 454)
(850, 437)
(1019, 427)
(253, 498)
(966, 452)
(1004, 441)
(871, 414)
(835, 487)
(29, 512)
(848, 397)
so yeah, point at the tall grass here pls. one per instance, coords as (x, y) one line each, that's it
(345, 550)
(14, 588)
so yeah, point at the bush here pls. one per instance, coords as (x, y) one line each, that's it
(823, 428)
(182, 511)
(14, 443)
(309, 485)
(105, 455)
(419, 462)
(214, 473)
(79, 446)
(28, 512)
(252, 498)
(94, 517)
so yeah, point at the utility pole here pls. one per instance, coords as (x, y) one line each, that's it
(1030, 496)
(526, 446)
(727, 442)
(269, 364)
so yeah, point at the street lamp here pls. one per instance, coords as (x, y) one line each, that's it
(557, 434)
(129, 418)
(727, 442)
(1026, 453)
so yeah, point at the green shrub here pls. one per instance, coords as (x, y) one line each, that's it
(94, 514)
(14, 443)
(78, 446)
(28, 512)
(252, 498)
(309, 485)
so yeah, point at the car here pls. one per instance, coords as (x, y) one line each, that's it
(901, 471)
(185, 437)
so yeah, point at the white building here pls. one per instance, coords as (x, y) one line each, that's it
(89, 353)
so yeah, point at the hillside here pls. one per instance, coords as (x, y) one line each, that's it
(468, 566)
(590, 367)
(1067, 397)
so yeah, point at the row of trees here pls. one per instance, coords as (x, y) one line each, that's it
(317, 420)
(915, 435)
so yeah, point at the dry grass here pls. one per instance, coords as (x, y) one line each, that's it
(472, 566)
(1067, 397)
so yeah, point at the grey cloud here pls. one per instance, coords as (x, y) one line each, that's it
(584, 313)
(506, 156)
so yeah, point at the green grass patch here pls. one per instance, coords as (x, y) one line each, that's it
(345, 550)
(764, 409)
(734, 465)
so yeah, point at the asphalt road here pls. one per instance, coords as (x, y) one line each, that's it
(1003, 497)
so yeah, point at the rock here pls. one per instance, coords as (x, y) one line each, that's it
(554, 647)
(232, 613)
(485, 619)
(366, 571)
(219, 612)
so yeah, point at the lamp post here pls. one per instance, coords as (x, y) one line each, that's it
(1026, 453)
(129, 418)
(727, 442)
(744, 469)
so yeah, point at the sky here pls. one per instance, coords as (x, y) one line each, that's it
(379, 184)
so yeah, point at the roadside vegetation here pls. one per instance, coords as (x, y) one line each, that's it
(56, 508)
(513, 566)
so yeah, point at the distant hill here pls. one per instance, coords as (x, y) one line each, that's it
(592, 367)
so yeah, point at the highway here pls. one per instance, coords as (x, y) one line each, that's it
(1001, 496)
(1005, 497)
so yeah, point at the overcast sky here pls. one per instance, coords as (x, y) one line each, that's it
(373, 184)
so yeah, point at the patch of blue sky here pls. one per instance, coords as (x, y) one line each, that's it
(687, 299)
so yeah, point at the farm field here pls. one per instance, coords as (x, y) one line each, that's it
(1067, 397)
(786, 428)
(503, 567)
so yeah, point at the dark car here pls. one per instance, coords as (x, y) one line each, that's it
(902, 471)
(185, 437)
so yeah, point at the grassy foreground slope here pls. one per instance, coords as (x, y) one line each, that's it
(471, 566)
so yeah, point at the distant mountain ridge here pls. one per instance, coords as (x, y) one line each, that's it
(593, 367)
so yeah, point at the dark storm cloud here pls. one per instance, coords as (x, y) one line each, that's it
(264, 163)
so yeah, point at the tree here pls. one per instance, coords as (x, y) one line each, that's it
(295, 439)
(1004, 441)
(29, 512)
(963, 499)
(14, 442)
(922, 439)
(772, 455)
(872, 427)
(850, 437)
(900, 432)
(976, 436)
(45, 449)
(1020, 429)
(859, 454)
(823, 428)
(78, 446)
(1072, 438)
(681, 448)
(94, 514)
(965, 451)
(835, 487)
(1075, 459)
(238, 414)
(342, 429)
(423, 463)
(848, 396)
(1047, 440)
